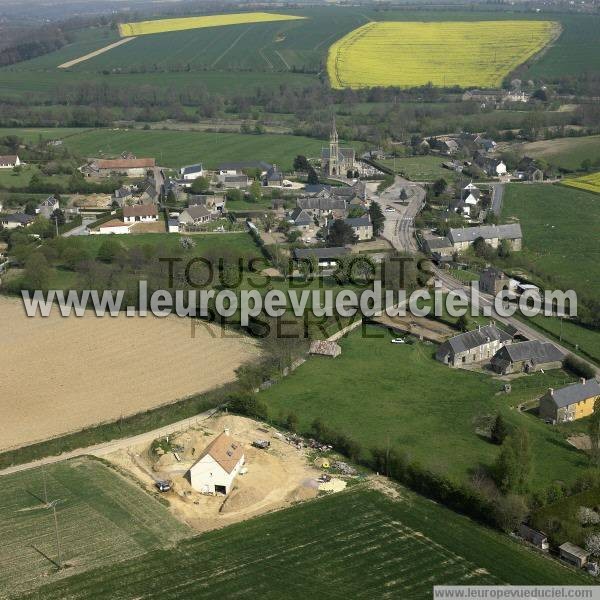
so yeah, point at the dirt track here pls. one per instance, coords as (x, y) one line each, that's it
(85, 57)
(59, 375)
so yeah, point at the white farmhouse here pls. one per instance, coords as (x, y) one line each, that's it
(143, 213)
(9, 161)
(191, 172)
(501, 169)
(217, 466)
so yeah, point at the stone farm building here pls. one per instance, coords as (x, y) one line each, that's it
(362, 227)
(571, 402)
(9, 161)
(462, 238)
(140, 213)
(472, 346)
(527, 357)
(573, 554)
(493, 281)
(195, 215)
(125, 167)
(217, 466)
(336, 161)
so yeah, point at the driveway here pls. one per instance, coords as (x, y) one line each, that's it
(80, 229)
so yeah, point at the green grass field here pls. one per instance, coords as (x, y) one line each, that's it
(421, 168)
(177, 148)
(378, 391)
(566, 153)
(355, 544)
(102, 518)
(553, 218)
(267, 53)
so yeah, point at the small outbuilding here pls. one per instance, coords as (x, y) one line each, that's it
(538, 538)
(325, 348)
(573, 554)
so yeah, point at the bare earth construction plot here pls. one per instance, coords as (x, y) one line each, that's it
(409, 54)
(63, 374)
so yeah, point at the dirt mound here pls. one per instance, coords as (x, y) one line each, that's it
(302, 493)
(241, 499)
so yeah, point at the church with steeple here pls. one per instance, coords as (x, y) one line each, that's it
(336, 161)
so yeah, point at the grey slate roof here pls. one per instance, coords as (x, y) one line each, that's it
(363, 221)
(318, 203)
(301, 217)
(574, 550)
(510, 231)
(197, 212)
(191, 169)
(575, 392)
(323, 253)
(438, 242)
(533, 350)
(474, 339)
(21, 218)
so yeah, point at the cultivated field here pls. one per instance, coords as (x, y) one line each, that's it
(421, 168)
(90, 370)
(164, 25)
(446, 53)
(590, 183)
(356, 544)
(177, 148)
(566, 153)
(102, 519)
(383, 393)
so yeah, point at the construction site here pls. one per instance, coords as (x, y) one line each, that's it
(278, 470)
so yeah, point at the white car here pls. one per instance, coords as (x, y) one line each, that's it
(398, 341)
(390, 209)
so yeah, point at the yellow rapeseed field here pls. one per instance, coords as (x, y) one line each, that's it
(409, 54)
(591, 183)
(164, 25)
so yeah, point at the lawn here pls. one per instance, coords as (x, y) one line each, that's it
(102, 518)
(566, 153)
(355, 544)
(177, 148)
(445, 54)
(381, 393)
(420, 168)
(561, 234)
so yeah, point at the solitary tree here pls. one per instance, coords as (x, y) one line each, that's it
(340, 234)
(499, 431)
(377, 218)
(200, 185)
(514, 462)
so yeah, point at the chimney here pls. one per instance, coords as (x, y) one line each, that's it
(226, 431)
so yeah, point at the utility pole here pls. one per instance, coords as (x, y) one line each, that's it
(45, 486)
(57, 536)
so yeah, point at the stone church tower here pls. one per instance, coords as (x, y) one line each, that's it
(334, 151)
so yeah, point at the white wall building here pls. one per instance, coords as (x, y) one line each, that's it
(191, 172)
(115, 226)
(140, 213)
(217, 466)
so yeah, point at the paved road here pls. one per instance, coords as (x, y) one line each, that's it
(497, 196)
(399, 224)
(80, 230)
(114, 445)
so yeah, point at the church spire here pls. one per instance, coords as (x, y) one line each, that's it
(334, 133)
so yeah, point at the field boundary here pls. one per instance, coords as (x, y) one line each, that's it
(76, 61)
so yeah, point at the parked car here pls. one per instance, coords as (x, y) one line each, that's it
(398, 341)
(390, 209)
(261, 444)
(163, 486)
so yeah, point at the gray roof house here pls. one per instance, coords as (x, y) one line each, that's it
(571, 402)
(528, 356)
(322, 203)
(463, 237)
(16, 220)
(472, 346)
(48, 206)
(194, 215)
(273, 176)
(300, 218)
(363, 228)
(573, 554)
